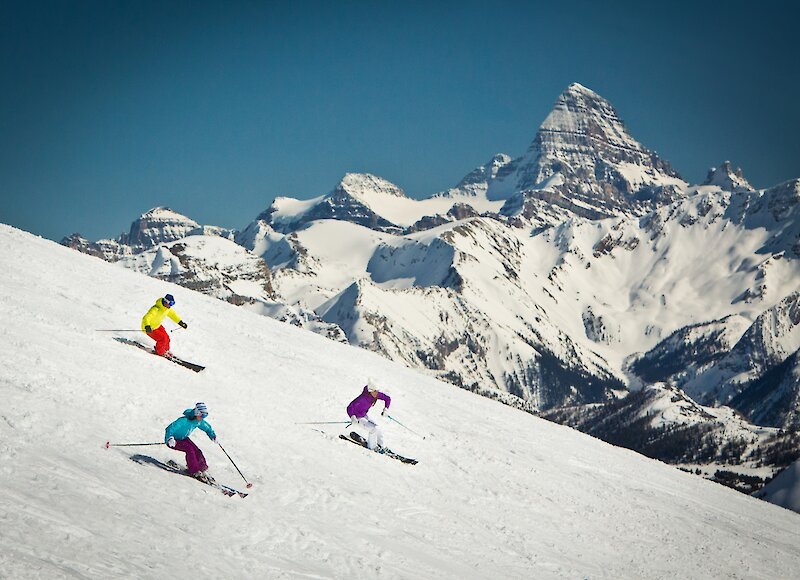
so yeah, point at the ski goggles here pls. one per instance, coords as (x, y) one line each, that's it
(169, 303)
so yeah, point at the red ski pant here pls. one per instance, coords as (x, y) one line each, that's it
(195, 461)
(161, 337)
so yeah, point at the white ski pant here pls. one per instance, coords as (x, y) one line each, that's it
(374, 432)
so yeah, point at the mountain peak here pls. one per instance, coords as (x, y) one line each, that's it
(162, 212)
(157, 226)
(728, 178)
(577, 88)
(583, 150)
(580, 116)
(358, 184)
(477, 181)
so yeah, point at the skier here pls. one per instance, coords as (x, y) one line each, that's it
(151, 323)
(176, 436)
(357, 411)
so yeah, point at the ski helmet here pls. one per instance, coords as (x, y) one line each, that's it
(201, 410)
(170, 300)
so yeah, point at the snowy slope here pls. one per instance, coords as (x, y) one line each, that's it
(784, 490)
(479, 504)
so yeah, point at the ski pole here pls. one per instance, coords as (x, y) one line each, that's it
(325, 423)
(117, 330)
(234, 464)
(109, 444)
(127, 330)
(404, 427)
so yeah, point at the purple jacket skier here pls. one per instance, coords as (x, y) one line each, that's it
(359, 407)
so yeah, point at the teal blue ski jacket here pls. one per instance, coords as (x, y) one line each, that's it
(182, 427)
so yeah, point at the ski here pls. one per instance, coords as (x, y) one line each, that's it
(359, 440)
(173, 467)
(178, 361)
(186, 364)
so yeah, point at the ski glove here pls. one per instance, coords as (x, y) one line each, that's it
(147, 329)
(171, 442)
(182, 324)
(353, 420)
(384, 411)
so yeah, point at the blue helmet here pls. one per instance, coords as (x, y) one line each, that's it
(169, 300)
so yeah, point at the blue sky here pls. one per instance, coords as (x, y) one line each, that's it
(110, 108)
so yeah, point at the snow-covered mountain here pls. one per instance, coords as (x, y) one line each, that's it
(770, 340)
(210, 264)
(582, 158)
(160, 225)
(774, 397)
(563, 277)
(584, 155)
(728, 178)
(497, 492)
(662, 422)
(372, 202)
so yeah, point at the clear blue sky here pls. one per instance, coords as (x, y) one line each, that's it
(214, 108)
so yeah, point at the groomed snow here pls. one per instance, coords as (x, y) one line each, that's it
(497, 493)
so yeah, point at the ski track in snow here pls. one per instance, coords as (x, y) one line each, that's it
(497, 493)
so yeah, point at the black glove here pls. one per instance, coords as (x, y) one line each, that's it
(182, 324)
(147, 329)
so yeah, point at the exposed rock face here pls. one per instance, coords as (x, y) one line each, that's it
(477, 181)
(770, 340)
(208, 264)
(689, 351)
(459, 211)
(160, 225)
(728, 178)
(347, 202)
(664, 423)
(108, 250)
(78, 242)
(584, 157)
(600, 328)
(783, 200)
(773, 399)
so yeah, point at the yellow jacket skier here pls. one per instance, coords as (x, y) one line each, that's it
(151, 323)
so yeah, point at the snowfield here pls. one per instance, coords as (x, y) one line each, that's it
(498, 493)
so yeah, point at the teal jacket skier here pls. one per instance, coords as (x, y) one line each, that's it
(182, 427)
(177, 434)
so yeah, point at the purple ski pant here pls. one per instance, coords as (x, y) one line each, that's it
(194, 457)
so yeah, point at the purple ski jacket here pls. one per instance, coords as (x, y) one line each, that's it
(359, 406)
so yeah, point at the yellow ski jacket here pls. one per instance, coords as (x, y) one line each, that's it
(155, 316)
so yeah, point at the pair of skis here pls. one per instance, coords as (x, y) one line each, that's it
(178, 361)
(173, 467)
(354, 437)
